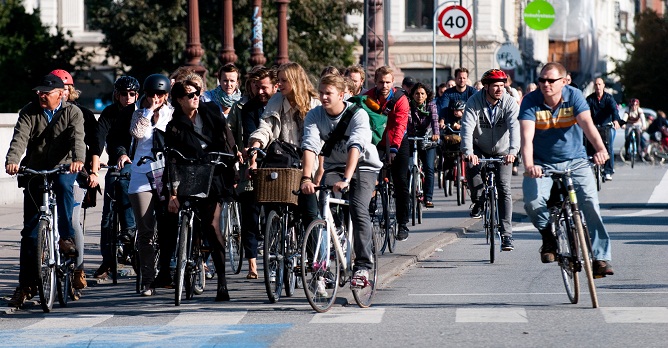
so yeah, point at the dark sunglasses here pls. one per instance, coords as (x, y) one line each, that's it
(127, 94)
(153, 94)
(192, 94)
(551, 81)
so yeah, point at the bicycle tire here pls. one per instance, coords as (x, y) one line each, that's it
(459, 184)
(413, 195)
(391, 227)
(420, 201)
(289, 276)
(568, 254)
(46, 273)
(233, 236)
(314, 247)
(67, 287)
(273, 257)
(181, 258)
(364, 296)
(599, 177)
(577, 220)
(192, 269)
(113, 248)
(200, 276)
(633, 151)
(378, 220)
(60, 292)
(491, 225)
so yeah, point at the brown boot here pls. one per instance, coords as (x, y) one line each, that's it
(548, 252)
(79, 281)
(252, 272)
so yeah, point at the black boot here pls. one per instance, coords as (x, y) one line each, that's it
(548, 251)
(222, 294)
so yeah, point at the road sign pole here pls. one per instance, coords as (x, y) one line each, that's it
(433, 41)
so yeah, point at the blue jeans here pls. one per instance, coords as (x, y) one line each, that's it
(63, 187)
(126, 216)
(537, 192)
(427, 157)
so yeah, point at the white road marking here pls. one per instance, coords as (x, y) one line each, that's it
(635, 315)
(524, 227)
(491, 315)
(69, 321)
(350, 316)
(660, 193)
(644, 212)
(545, 293)
(207, 318)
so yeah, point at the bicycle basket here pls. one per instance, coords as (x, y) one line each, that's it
(191, 180)
(275, 185)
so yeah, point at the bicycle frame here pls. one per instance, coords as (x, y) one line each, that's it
(325, 211)
(490, 194)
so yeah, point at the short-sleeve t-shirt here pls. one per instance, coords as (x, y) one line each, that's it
(558, 138)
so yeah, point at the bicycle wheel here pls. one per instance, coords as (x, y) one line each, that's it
(420, 201)
(233, 234)
(391, 218)
(633, 151)
(364, 296)
(568, 255)
(61, 291)
(113, 246)
(579, 229)
(320, 267)
(181, 258)
(378, 219)
(193, 270)
(413, 195)
(459, 184)
(290, 255)
(46, 281)
(491, 225)
(273, 257)
(599, 177)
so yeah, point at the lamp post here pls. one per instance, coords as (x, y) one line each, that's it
(257, 53)
(282, 55)
(194, 50)
(227, 54)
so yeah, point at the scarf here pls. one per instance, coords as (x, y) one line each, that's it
(226, 100)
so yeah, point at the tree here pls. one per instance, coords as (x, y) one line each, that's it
(28, 52)
(150, 36)
(643, 74)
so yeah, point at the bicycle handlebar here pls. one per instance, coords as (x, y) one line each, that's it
(61, 169)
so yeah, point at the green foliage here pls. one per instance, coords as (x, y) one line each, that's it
(150, 36)
(643, 74)
(28, 52)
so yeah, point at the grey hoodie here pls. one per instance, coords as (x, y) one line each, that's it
(501, 138)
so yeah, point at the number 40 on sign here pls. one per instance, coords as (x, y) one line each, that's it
(454, 22)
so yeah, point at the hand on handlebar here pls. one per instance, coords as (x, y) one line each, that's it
(76, 167)
(508, 159)
(473, 159)
(600, 157)
(12, 169)
(122, 160)
(340, 186)
(307, 188)
(533, 172)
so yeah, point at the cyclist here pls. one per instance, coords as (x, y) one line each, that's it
(196, 129)
(153, 113)
(634, 118)
(490, 128)
(461, 91)
(551, 139)
(450, 138)
(353, 163)
(424, 122)
(393, 103)
(112, 131)
(227, 92)
(658, 130)
(604, 114)
(51, 132)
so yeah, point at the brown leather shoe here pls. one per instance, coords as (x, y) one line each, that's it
(79, 281)
(19, 297)
(67, 246)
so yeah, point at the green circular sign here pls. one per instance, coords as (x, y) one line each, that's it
(539, 15)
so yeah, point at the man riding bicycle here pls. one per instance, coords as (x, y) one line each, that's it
(51, 132)
(490, 129)
(551, 139)
(606, 117)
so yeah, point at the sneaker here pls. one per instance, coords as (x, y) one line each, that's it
(507, 243)
(516, 172)
(608, 177)
(428, 204)
(102, 272)
(19, 297)
(360, 279)
(476, 211)
(222, 294)
(148, 291)
(321, 287)
(67, 246)
(602, 269)
(402, 235)
(79, 279)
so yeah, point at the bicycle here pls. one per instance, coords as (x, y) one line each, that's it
(230, 221)
(384, 214)
(631, 146)
(416, 179)
(490, 204)
(327, 256)
(52, 272)
(457, 171)
(570, 230)
(119, 249)
(599, 174)
(192, 181)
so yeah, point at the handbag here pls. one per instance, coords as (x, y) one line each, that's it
(155, 175)
(281, 154)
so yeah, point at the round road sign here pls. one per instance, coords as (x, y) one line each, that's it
(454, 22)
(539, 15)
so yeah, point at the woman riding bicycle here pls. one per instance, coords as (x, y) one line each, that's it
(424, 122)
(195, 130)
(635, 120)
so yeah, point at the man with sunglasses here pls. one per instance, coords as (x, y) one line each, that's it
(552, 122)
(51, 132)
(113, 130)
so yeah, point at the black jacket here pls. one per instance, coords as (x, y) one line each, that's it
(603, 111)
(113, 129)
(180, 135)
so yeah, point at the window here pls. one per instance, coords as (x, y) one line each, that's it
(419, 15)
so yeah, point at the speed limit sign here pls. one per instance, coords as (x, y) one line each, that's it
(454, 22)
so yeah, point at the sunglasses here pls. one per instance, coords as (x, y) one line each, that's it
(153, 94)
(192, 94)
(551, 81)
(46, 93)
(127, 94)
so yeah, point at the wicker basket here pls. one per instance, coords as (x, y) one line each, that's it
(192, 180)
(275, 185)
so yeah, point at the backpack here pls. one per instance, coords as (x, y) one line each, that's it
(281, 154)
(377, 121)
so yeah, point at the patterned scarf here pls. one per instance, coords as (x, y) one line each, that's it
(226, 100)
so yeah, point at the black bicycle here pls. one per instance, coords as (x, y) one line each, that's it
(383, 213)
(490, 199)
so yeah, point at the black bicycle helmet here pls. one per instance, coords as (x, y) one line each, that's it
(459, 105)
(157, 83)
(126, 83)
(494, 75)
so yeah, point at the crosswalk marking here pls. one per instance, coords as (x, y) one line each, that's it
(207, 318)
(630, 315)
(491, 315)
(69, 321)
(347, 315)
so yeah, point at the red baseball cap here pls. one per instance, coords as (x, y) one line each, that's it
(64, 75)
